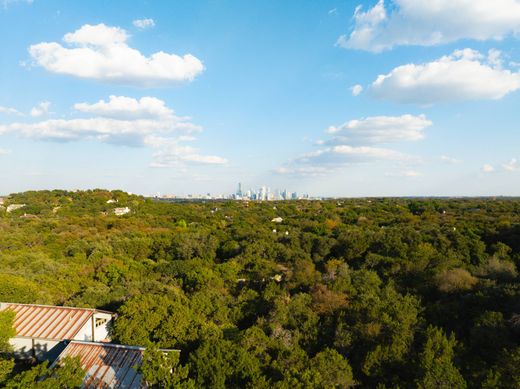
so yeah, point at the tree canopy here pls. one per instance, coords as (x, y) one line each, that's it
(368, 292)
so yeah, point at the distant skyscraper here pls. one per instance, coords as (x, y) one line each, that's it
(239, 191)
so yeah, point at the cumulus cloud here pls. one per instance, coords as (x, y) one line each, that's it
(427, 22)
(357, 141)
(356, 90)
(144, 23)
(9, 111)
(380, 129)
(41, 109)
(450, 160)
(121, 107)
(487, 168)
(405, 173)
(7, 3)
(302, 171)
(344, 154)
(464, 75)
(511, 166)
(153, 125)
(171, 153)
(101, 52)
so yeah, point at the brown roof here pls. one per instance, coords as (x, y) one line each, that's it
(49, 322)
(107, 365)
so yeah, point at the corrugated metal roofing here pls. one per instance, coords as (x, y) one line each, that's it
(107, 365)
(48, 322)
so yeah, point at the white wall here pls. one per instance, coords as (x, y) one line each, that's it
(42, 349)
(100, 333)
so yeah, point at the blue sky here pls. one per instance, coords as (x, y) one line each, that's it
(337, 98)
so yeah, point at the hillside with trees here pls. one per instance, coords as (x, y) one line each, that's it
(372, 293)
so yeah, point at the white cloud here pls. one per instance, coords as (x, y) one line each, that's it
(121, 107)
(380, 129)
(511, 166)
(464, 75)
(4, 152)
(353, 143)
(487, 168)
(152, 124)
(411, 174)
(144, 23)
(7, 3)
(9, 111)
(124, 132)
(431, 22)
(41, 109)
(170, 153)
(305, 171)
(406, 174)
(346, 154)
(101, 52)
(356, 90)
(450, 160)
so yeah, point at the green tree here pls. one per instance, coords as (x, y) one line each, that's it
(330, 370)
(436, 362)
(162, 369)
(68, 374)
(6, 332)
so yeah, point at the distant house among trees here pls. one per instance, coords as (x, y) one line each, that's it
(121, 211)
(14, 207)
(42, 331)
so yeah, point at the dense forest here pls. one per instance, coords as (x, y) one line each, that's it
(372, 293)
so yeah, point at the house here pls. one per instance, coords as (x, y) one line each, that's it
(277, 220)
(42, 330)
(14, 207)
(107, 365)
(121, 211)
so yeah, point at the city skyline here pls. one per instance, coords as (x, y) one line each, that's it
(260, 193)
(332, 98)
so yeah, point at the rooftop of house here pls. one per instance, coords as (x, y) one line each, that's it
(107, 365)
(49, 322)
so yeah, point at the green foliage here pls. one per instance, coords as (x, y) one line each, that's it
(6, 369)
(17, 289)
(162, 369)
(329, 369)
(344, 292)
(218, 363)
(66, 375)
(6, 330)
(436, 362)
(148, 319)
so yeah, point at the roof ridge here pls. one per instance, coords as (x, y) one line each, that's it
(115, 345)
(2, 303)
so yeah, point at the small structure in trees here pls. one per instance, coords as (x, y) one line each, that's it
(121, 211)
(14, 207)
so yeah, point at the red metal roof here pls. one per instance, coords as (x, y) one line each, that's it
(107, 365)
(49, 322)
